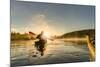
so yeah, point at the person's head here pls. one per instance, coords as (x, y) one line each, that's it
(42, 32)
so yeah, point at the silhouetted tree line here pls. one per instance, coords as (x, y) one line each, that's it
(24, 36)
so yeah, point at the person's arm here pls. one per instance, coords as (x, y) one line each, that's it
(37, 37)
(51, 39)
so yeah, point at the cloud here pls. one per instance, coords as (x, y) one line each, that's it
(38, 23)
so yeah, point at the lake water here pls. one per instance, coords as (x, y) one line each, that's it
(56, 52)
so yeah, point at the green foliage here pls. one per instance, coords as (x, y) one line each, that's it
(18, 36)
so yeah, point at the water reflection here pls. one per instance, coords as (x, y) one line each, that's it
(56, 52)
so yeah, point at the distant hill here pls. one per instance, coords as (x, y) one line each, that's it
(81, 33)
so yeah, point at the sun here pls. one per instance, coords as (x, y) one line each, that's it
(47, 34)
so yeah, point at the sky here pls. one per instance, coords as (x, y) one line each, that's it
(51, 18)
